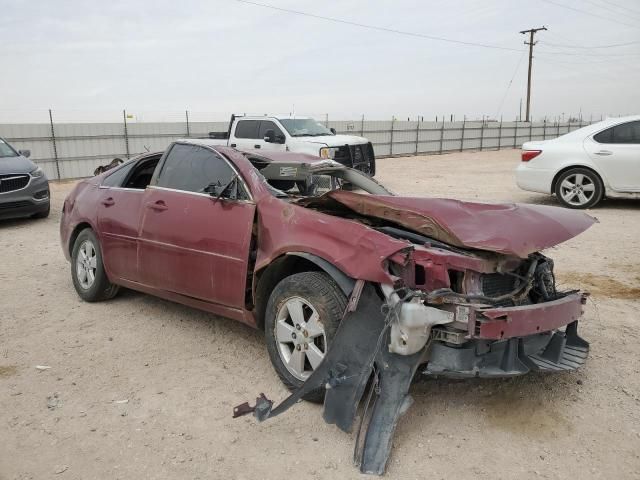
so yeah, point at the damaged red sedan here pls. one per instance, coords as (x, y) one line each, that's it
(356, 289)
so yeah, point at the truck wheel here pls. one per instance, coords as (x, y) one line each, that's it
(302, 317)
(87, 269)
(579, 188)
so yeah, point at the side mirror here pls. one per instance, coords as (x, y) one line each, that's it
(213, 189)
(280, 139)
(270, 136)
(25, 153)
(332, 130)
(229, 191)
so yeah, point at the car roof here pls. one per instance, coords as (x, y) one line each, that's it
(596, 127)
(274, 156)
(268, 117)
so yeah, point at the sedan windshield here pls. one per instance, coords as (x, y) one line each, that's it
(304, 127)
(6, 150)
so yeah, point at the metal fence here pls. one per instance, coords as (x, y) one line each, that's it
(73, 150)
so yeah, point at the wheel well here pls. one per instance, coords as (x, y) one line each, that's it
(284, 266)
(76, 231)
(555, 179)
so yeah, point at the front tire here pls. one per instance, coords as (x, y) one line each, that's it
(579, 188)
(301, 319)
(87, 269)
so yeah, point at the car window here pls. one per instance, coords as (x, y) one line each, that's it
(116, 178)
(624, 133)
(268, 125)
(604, 136)
(627, 133)
(304, 127)
(192, 168)
(247, 129)
(6, 150)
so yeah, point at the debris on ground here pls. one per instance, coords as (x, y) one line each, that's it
(53, 401)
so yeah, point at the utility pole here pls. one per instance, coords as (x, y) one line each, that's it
(531, 43)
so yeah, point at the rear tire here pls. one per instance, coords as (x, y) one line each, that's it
(87, 269)
(579, 188)
(297, 342)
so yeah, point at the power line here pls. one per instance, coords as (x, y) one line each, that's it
(589, 48)
(576, 54)
(589, 51)
(608, 9)
(587, 13)
(380, 29)
(504, 97)
(622, 6)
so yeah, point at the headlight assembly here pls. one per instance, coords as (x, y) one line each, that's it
(328, 152)
(37, 173)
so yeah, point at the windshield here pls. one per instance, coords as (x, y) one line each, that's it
(304, 127)
(6, 150)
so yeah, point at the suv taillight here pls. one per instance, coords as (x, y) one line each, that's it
(530, 154)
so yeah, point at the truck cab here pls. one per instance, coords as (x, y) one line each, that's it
(299, 135)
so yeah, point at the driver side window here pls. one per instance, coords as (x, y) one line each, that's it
(193, 168)
(266, 125)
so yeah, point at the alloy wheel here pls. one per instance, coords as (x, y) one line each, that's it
(577, 189)
(302, 342)
(86, 264)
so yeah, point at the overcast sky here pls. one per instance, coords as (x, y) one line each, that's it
(89, 60)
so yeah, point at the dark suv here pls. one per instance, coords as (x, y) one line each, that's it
(24, 188)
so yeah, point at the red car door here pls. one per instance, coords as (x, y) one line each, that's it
(118, 220)
(189, 242)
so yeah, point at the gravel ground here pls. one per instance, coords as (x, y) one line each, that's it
(140, 388)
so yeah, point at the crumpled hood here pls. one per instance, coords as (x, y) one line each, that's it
(507, 228)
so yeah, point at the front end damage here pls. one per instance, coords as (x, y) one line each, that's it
(471, 324)
(468, 296)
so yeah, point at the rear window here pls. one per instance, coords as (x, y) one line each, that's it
(624, 133)
(247, 129)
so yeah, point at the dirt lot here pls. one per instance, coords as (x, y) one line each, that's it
(143, 388)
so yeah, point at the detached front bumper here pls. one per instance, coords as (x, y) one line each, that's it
(510, 341)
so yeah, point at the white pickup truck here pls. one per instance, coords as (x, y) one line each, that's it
(300, 135)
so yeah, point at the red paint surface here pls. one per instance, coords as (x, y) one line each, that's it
(511, 322)
(195, 251)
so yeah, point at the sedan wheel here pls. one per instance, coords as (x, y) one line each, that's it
(302, 316)
(87, 270)
(302, 341)
(579, 188)
(86, 264)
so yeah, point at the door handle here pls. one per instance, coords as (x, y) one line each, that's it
(159, 205)
(256, 146)
(107, 202)
(604, 152)
(233, 145)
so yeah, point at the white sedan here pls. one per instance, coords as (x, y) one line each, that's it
(584, 166)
